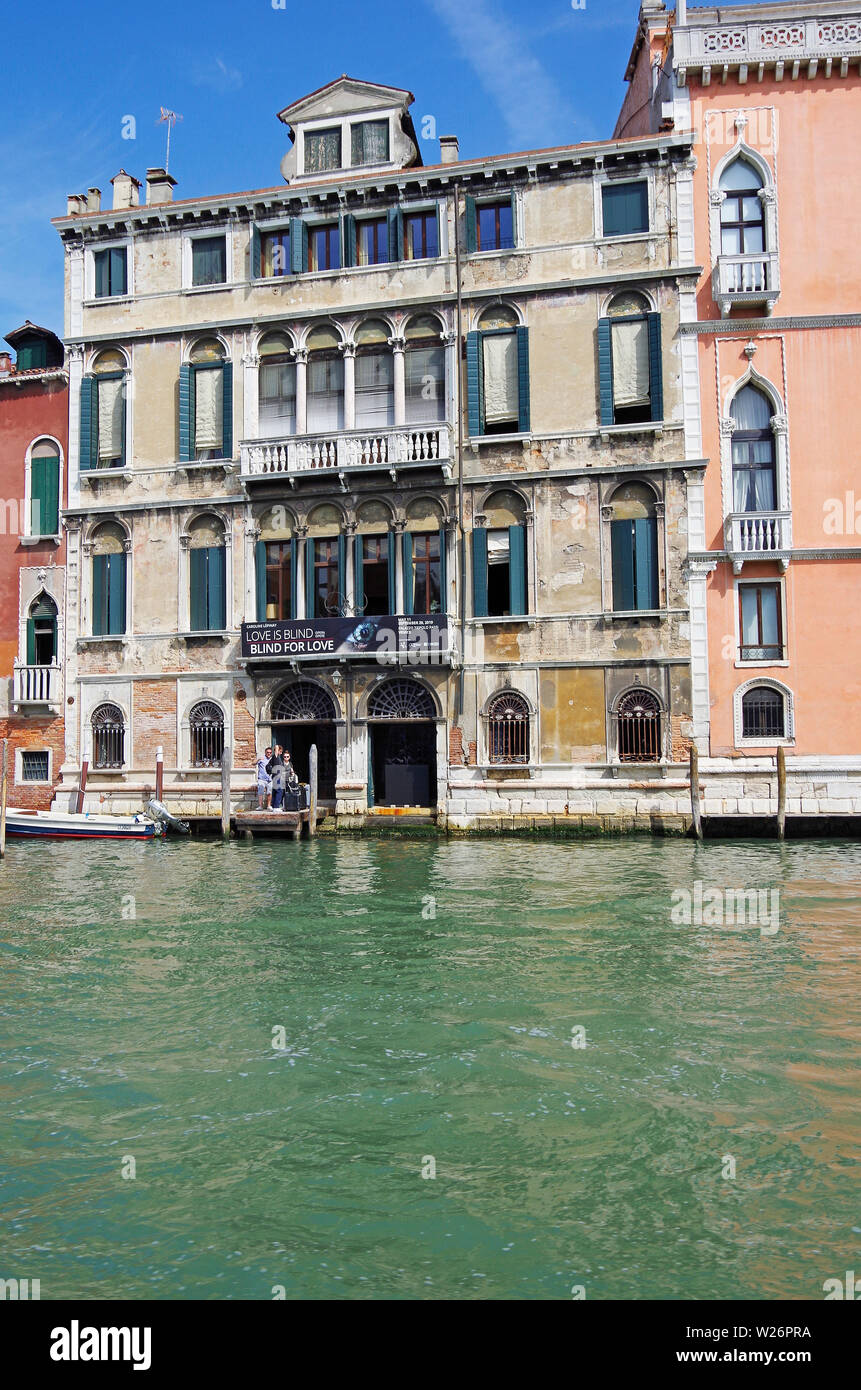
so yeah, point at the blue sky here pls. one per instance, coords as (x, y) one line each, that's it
(500, 74)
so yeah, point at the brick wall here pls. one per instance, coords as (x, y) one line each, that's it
(455, 747)
(155, 722)
(680, 743)
(37, 734)
(244, 734)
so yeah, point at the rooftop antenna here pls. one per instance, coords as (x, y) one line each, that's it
(171, 118)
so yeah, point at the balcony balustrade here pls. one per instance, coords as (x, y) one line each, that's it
(759, 536)
(746, 280)
(348, 452)
(36, 685)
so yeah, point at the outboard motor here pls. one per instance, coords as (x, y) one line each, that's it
(159, 812)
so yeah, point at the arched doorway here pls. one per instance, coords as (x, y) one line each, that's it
(401, 744)
(303, 714)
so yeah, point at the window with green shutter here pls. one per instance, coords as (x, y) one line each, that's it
(208, 571)
(111, 272)
(625, 208)
(634, 545)
(630, 365)
(109, 594)
(31, 355)
(45, 494)
(497, 375)
(209, 260)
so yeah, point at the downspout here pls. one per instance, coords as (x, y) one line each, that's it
(459, 407)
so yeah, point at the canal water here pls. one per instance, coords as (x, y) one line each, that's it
(284, 1042)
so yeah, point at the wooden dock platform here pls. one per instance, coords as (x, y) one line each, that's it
(290, 823)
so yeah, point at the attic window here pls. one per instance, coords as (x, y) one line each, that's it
(30, 354)
(322, 150)
(370, 142)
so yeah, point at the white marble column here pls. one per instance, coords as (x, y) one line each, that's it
(398, 346)
(300, 356)
(349, 351)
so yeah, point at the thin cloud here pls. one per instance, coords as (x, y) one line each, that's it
(533, 107)
(218, 76)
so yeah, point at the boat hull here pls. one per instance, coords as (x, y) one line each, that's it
(56, 825)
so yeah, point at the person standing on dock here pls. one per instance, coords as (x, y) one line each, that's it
(264, 781)
(291, 785)
(277, 770)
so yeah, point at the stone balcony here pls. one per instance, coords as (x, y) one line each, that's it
(759, 536)
(345, 452)
(716, 43)
(36, 688)
(746, 281)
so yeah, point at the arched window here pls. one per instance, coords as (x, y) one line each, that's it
(206, 403)
(375, 382)
(499, 558)
(207, 575)
(303, 703)
(742, 218)
(42, 632)
(639, 719)
(277, 386)
(508, 728)
(754, 479)
(206, 722)
(498, 374)
(424, 559)
(424, 362)
(325, 382)
(109, 736)
(103, 412)
(629, 352)
(44, 489)
(634, 549)
(109, 580)
(763, 713)
(398, 698)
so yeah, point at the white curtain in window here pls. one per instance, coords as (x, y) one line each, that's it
(425, 385)
(110, 419)
(501, 396)
(631, 363)
(325, 395)
(375, 404)
(278, 394)
(207, 409)
(497, 547)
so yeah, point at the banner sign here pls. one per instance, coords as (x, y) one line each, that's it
(421, 639)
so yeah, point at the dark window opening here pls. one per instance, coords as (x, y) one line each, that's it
(508, 729)
(34, 766)
(324, 247)
(421, 237)
(276, 254)
(495, 226)
(639, 719)
(327, 579)
(373, 599)
(426, 573)
(372, 242)
(763, 714)
(109, 735)
(206, 723)
(279, 581)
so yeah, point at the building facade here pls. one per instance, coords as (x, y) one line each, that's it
(770, 94)
(34, 411)
(395, 459)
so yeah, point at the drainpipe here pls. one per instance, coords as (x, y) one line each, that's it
(460, 498)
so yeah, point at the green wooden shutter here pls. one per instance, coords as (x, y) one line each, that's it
(51, 513)
(310, 605)
(186, 413)
(217, 588)
(358, 574)
(294, 578)
(119, 270)
(407, 550)
(395, 219)
(102, 263)
(116, 624)
(197, 590)
(55, 651)
(298, 246)
(88, 433)
(471, 217)
(656, 373)
(646, 562)
(622, 545)
(100, 595)
(514, 219)
(605, 371)
(38, 497)
(523, 379)
(255, 253)
(227, 411)
(474, 384)
(517, 569)
(31, 641)
(260, 575)
(443, 573)
(348, 240)
(479, 572)
(342, 574)
(391, 553)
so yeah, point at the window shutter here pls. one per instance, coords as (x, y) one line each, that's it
(38, 498)
(116, 624)
(646, 561)
(474, 384)
(523, 379)
(119, 270)
(217, 588)
(514, 218)
(294, 578)
(656, 374)
(255, 253)
(309, 579)
(31, 641)
(100, 595)
(298, 246)
(101, 264)
(358, 575)
(407, 551)
(227, 411)
(517, 569)
(52, 498)
(186, 413)
(197, 590)
(443, 573)
(471, 217)
(88, 441)
(260, 575)
(605, 371)
(342, 573)
(479, 572)
(622, 544)
(391, 553)
(395, 218)
(54, 647)
(348, 240)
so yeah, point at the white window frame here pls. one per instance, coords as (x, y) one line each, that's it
(29, 537)
(188, 238)
(788, 714)
(485, 200)
(780, 434)
(90, 272)
(603, 177)
(410, 210)
(345, 123)
(739, 584)
(21, 780)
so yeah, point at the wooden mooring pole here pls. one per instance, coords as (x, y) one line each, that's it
(312, 799)
(226, 764)
(781, 793)
(82, 785)
(696, 812)
(4, 783)
(159, 773)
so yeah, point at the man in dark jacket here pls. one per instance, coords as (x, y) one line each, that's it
(283, 776)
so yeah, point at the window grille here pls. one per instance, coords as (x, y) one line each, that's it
(303, 703)
(508, 729)
(639, 717)
(109, 735)
(401, 699)
(763, 714)
(207, 734)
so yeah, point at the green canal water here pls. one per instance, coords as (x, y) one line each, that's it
(427, 992)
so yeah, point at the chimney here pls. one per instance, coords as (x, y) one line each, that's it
(125, 190)
(94, 200)
(449, 149)
(159, 186)
(5, 364)
(76, 204)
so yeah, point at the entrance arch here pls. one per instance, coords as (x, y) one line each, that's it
(304, 713)
(401, 744)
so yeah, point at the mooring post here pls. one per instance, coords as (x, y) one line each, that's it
(695, 792)
(159, 773)
(312, 799)
(781, 793)
(82, 785)
(226, 762)
(3, 792)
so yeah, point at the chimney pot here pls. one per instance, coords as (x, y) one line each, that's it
(76, 203)
(125, 190)
(449, 149)
(94, 200)
(5, 364)
(159, 186)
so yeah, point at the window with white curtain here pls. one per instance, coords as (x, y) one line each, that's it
(375, 391)
(501, 389)
(277, 386)
(325, 393)
(424, 372)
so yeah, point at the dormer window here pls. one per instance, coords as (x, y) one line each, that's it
(370, 142)
(323, 150)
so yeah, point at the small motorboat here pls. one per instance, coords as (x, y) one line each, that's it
(69, 825)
